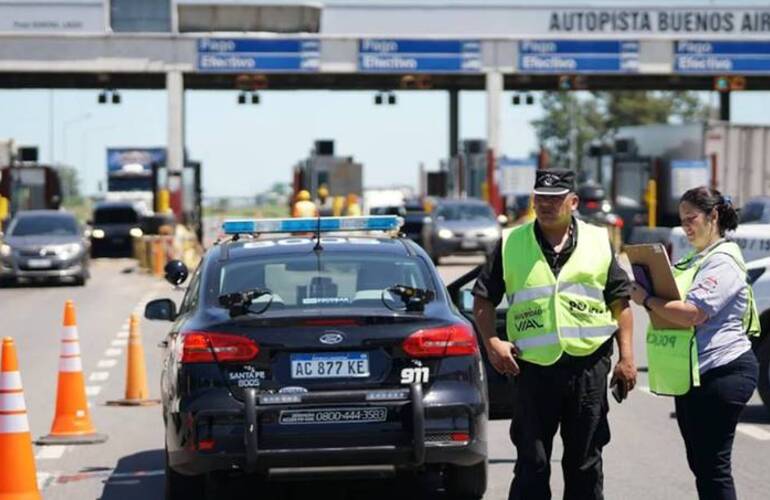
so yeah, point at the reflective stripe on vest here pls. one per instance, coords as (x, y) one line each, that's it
(672, 354)
(548, 316)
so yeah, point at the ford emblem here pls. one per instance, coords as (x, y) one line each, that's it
(331, 338)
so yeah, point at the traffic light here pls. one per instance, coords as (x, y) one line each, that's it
(729, 83)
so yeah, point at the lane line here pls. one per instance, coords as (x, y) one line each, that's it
(107, 363)
(93, 390)
(754, 431)
(123, 334)
(112, 352)
(50, 452)
(99, 376)
(119, 342)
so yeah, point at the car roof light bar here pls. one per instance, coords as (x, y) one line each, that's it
(313, 224)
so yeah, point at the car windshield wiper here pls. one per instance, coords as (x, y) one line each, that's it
(413, 298)
(239, 303)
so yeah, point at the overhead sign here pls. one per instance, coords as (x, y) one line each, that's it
(419, 56)
(244, 55)
(639, 21)
(53, 16)
(716, 57)
(572, 56)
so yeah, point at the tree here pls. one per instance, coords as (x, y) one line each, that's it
(598, 115)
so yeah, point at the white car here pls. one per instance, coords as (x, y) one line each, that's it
(754, 240)
(759, 277)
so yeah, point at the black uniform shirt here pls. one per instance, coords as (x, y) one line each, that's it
(491, 286)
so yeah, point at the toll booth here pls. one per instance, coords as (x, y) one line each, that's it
(341, 174)
(187, 208)
(467, 171)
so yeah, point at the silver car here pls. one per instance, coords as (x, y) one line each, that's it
(460, 227)
(44, 245)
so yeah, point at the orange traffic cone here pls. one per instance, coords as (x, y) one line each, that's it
(18, 478)
(137, 393)
(72, 422)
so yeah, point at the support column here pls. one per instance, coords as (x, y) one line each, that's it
(724, 106)
(494, 86)
(454, 122)
(175, 140)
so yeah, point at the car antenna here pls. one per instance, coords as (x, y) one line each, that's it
(318, 235)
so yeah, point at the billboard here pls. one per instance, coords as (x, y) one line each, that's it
(53, 16)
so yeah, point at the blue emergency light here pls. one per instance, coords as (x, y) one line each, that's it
(313, 224)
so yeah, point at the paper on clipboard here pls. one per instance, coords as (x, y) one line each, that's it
(655, 259)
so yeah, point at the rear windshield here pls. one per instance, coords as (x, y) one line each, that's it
(331, 280)
(117, 215)
(44, 225)
(465, 212)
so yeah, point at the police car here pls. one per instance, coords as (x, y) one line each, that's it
(324, 347)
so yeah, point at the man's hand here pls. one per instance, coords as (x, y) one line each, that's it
(625, 374)
(501, 355)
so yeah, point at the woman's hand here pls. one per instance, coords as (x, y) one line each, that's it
(638, 293)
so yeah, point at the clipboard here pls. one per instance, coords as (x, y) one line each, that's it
(651, 261)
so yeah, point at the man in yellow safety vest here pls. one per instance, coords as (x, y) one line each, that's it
(566, 299)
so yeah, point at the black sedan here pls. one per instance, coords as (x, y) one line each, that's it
(298, 352)
(44, 245)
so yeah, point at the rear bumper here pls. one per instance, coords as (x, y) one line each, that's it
(241, 439)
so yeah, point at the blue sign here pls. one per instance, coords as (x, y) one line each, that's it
(419, 56)
(722, 57)
(134, 161)
(572, 56)
(245, 55)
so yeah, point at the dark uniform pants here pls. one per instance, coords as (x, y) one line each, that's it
(572, 394)
(707, 416)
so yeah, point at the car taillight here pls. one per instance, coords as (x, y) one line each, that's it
(592, 204)
(197, 347)
(452, 340)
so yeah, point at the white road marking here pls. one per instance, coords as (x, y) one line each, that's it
(99, 376)
(107, 363)
(119, 342)
(93, 390)
(754, 431)
(123, 334)
(50, 452)
(112, 352)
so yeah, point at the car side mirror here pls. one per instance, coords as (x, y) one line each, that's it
(163, 309)
(176, 272)
(502, 219)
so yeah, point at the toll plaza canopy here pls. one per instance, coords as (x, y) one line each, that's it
(254, 45)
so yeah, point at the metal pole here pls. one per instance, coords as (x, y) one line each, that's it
(175, 147)
(51, 143)
(724, 106)
(494, 86)
(454, 121)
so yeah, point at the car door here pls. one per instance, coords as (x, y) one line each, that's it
(500, 387)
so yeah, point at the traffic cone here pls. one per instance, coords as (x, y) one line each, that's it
(18, 478)
(137, 393)
(72, 422)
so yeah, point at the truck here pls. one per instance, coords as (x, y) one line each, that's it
(136, 174)
(25, 184)
(340, 174)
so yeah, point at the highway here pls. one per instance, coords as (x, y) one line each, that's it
(645, 459)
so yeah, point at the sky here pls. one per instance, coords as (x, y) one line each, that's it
(245, 149)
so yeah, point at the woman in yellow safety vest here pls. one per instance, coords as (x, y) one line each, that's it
(707, 364)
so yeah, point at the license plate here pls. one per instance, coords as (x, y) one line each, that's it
(469, 244)
(39, 263)
(337, 365)
(334, 416)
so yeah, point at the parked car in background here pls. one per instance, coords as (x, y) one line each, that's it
(413, 213)
(114, 224)
(595, 206)
(44, 245)
(756, 211)
(460, 227)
